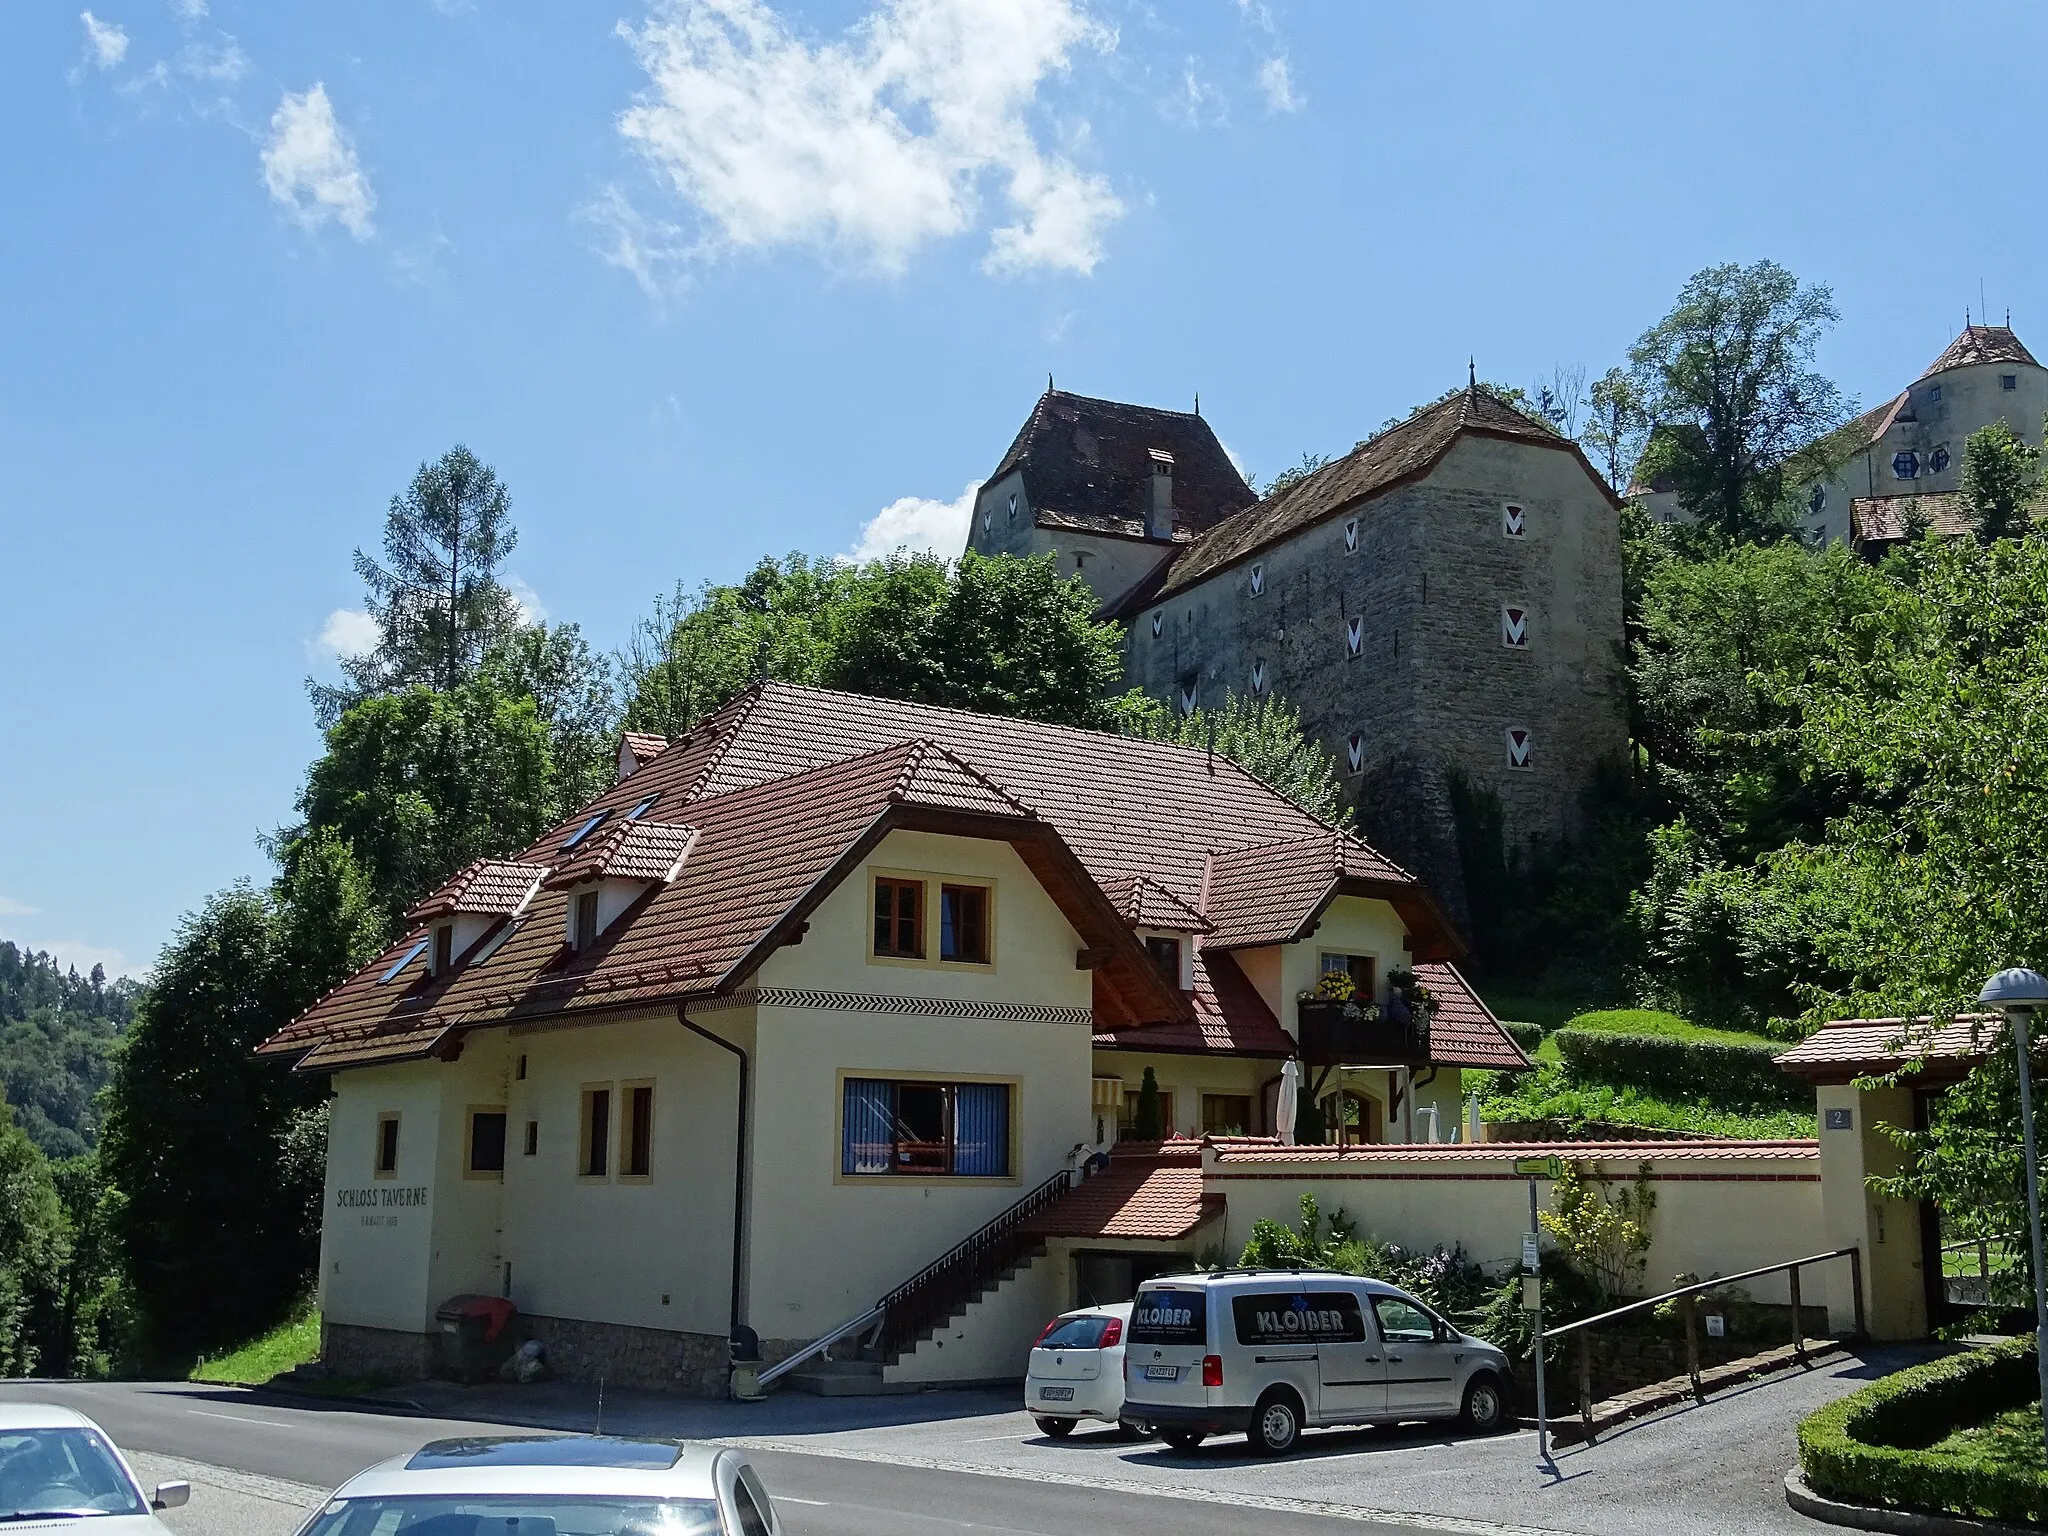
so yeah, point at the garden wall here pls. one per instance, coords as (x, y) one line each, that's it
(1722, 1206)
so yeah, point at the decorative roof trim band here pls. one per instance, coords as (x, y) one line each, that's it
(876, 1002)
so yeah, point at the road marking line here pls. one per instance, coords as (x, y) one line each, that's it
(1276, 1503)
(236, 1418)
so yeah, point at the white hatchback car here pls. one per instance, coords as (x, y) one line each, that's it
(59, 1470)
(552, 1485)
(1077, 1369)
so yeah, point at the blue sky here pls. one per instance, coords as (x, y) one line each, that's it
(708, 279)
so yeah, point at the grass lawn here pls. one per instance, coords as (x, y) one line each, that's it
(2009, 1443)
(287, 1345)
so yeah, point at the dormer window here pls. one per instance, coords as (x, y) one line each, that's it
(646, 805)
(444, 949)
(585, 830)
(402, 962)
(1165, 952)
(583, 919)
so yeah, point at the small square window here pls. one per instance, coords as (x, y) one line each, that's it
(963, 923)
(899, 918)
(444, 949)
(1226, 1114)
(636, 1133)
(1358, 967)
(594, 1134)
(486, 1156)
(2008, 381)
(1934, 394)
(1165, 952)
(387, 1145)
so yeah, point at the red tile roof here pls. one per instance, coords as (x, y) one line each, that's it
(1463, 1031)
(1247, 1149)
(1149, 1190)
(626, 850)
(1396, 456)
(1273, 894)
(1982, 344)
(1145, 903)
(645, 746)
(1850, 1048)
(1231, 1019)
(763, 856)
(488, 887)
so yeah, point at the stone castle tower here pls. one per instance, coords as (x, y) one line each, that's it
(1444, 601)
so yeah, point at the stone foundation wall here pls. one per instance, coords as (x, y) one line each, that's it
(652, 1359)
(391, 1355)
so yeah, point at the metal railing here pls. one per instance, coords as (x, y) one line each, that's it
(1687, 1297)
(934, 1293)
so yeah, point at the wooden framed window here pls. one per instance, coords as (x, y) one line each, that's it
(594, 1133)
(386, 1166)
(484, 1155)
(444, 949)
(583, 920)
(1165, 952)
(964, 924)
(899, 918)
(1226, 1114)
(532, 1137)
(1359, 968)
(636, 1130)
(927, 1129)
(1127, 1122)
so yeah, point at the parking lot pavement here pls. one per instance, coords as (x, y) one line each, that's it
(1717, 1470)
(226, 1503)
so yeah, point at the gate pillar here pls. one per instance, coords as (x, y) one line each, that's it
(1853, 1149)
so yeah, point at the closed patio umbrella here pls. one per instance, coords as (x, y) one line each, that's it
(1288, 1108)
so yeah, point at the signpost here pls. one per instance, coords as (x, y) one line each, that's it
(1532, 1169)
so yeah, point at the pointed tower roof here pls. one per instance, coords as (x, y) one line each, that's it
(1982, 344)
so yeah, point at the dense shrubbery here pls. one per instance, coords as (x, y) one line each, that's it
(1719, 1072)
(1875, 1446)
(1446, 1278)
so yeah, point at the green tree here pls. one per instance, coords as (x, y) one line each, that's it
(1263, 736)
(1727, 378)
(1148, 1120)
(2000, 476)
(211, 1231)
(419, 783)
(571, 689)
(33, 1249)
(438, 604)
(995, 634)
(58, 1031)
(1616, 427)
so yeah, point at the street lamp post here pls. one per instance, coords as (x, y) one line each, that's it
(2017, 993)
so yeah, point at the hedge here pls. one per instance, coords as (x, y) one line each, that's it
(1527, 1036)
(1721, 1072)
(1870, 1447)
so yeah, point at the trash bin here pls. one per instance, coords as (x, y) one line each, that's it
(746, 1365)
(476, 1335)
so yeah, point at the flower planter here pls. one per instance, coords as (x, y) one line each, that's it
(1346, 1034)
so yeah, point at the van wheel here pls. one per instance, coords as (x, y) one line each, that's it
(1184, 1439)
(1059, 1429)
(1276, 1424)
(1485, 1407)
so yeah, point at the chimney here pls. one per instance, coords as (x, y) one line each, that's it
(1159, 516)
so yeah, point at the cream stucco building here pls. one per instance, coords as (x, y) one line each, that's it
(839, 1008)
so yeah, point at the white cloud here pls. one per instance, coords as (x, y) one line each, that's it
(9, 907)
(189, 10)
(919, 525)
(1276, 79)
(531, 609)
(653, 250)
(224, 65)
(108, 42)
(871, 146)
(349, 632)
(83, 957)
(311, 168)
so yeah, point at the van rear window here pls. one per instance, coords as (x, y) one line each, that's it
(1298, 1317)
(1170, 1317)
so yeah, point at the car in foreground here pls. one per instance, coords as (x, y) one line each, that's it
(58, 1469)
(1270, 1352)
(553, 1485)
(1077, 1369)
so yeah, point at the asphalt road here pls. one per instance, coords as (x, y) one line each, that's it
(290, 1449)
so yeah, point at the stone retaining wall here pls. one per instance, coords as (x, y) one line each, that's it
(354, 1353)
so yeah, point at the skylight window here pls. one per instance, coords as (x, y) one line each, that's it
(585, 830)
(643, 807)
(403, 961)
(497, 941)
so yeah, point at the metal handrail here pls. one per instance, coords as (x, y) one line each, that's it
(1687, 1297)
(819, 1345)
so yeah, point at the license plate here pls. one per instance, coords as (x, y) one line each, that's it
(1162, 1373)
(1056, 1394)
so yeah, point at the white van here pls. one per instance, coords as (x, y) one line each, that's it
(1269, 1352)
